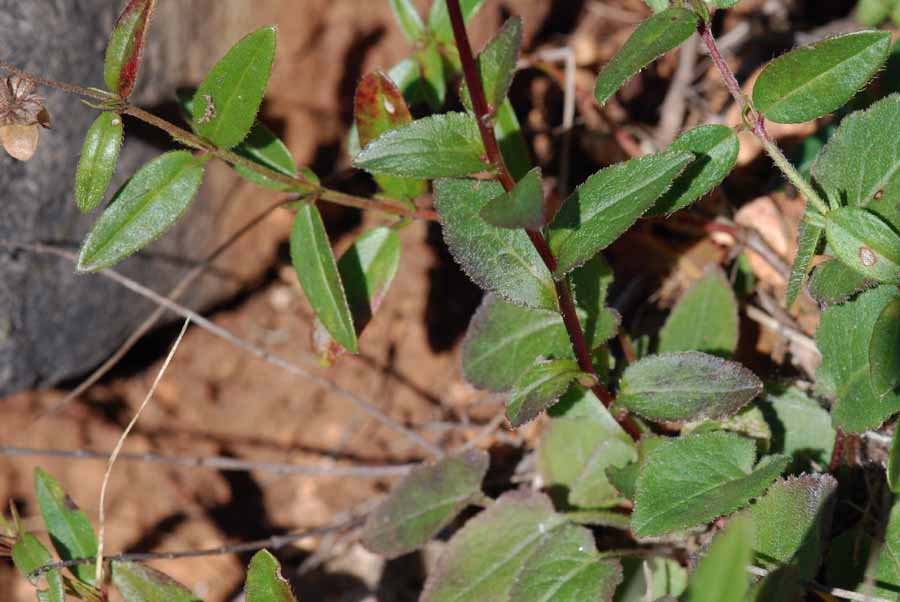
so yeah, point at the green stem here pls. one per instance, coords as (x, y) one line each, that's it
(789, 171)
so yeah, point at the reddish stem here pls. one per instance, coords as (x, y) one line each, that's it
(563, 291)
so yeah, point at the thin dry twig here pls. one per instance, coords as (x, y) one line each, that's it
(118, 448)
(675, 103)
(837, 592)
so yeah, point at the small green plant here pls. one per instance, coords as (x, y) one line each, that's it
(651, 449)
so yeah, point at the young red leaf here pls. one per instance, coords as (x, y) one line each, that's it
(126, 43)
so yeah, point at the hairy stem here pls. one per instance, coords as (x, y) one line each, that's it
(563, 290)
(300, 185)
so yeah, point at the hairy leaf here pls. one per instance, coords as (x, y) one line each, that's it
(712, 298)
(424, 503)
(864, 242)
(686, 385)
(99, 157)
(843, 338)
(379, 107)
(801, 427)
(229, 98)
(833, 282)
(137, 582)
(484, 558)
(504, 339)
(539, 387)
(126, 43)
(439, 18)
(500, 260)
(409, 19)
(814, 80)
(148, 205)
(808, 239)
(566, 567)
(657, 35)
(264, 580)
(884, 350)
(715, 149)
(624, 479)
(722, 574)
(523, 207)
(29, 554)
(497, 64)
(607, 204)
(318, 274)
(749, 422)
(367, 270)
(792, 522)
(70, 531)
(432, 147)
(678, 488)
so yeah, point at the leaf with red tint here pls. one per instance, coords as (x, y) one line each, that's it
(123, 53)
(378, 107)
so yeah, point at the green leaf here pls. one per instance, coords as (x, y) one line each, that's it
(139, 583)
(439, 18)
(408, 18)
(70, 531)
(434, 74)
(29, 554)
(749, 422)
(367, 270)
(715, 150)
(576, 450)
(722, 574)
(712, 298)
(540, 386)
(497, 64)
(678, 487)
(657, 5)
(808, 238)
(832, 282)
(126, 43)
(591, 283)
(511, 141)
(801, 428)
(782, 584)
(843, 338)
(432, 147)
(864, 242)
(607, 204)
(264, 580)
(667, 578)
(229, 98)
(407, 74)
(657, 35)
(624, 479)
(148, 205)
(792, 521)
(566, 567)
(504, 339)
(484, 558)
(893, 464)
(425, 502)
(686, 385)
(814, 80)
(872, 13)
(862, 158)
(499, 260)
(523, 207)
(884, 350)
(318, 274)
(99, 157)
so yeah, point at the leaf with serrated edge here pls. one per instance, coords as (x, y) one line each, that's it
(575, 451)
(884, 351)
(497, 64)
(715, 149)
(722, 574)
(137, 582)
(808, 238)
(70, 531)
(504, 339)
(566, 567)
(29, 554)
(864, 242)
(843, 339)
(317, 271)
(687, 385)
(717, 333)
(500, 260)
(832, 283)
(522, 207)
(229, 98)
(815, 80)
(539, 387)
(99, 157)
(264, 580)
(148, 205)
(126, 44)
(424, 503)
(607, 204)
(438, 146)
(678, 487)
(483, 559)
